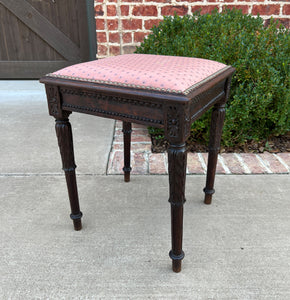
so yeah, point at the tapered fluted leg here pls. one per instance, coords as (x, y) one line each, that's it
(177, 172)
(127, 129)
(217, 121)
(65, 142)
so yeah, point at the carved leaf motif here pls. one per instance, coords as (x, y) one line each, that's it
(173, 121)
(52, 101)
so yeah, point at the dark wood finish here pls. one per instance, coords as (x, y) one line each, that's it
(177, 172)
(127, 129)
(177, 129)
(216, 127)
(65, 142)
(51, 34)
(173, 112)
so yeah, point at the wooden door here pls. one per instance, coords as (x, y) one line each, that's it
(41, 36)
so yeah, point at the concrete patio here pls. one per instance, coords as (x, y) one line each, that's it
(237, 248)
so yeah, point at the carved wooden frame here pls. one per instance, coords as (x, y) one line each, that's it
(173, 112)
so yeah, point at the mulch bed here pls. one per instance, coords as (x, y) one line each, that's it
(274, 144)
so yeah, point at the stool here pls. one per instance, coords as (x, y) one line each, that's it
(167, 92)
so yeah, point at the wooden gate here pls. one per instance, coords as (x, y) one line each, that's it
(41, 36)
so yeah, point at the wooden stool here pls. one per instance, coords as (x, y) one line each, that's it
(168, 92)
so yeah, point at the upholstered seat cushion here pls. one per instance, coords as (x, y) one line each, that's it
(169, 74)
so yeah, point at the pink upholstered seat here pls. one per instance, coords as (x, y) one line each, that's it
(171, 74)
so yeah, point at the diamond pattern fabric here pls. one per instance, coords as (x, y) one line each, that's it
(169, 74)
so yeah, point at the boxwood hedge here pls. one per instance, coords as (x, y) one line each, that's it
(259, 103)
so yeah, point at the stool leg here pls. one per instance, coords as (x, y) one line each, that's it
(177, 157)
(65, 142)
(127, 129)
(217, 121)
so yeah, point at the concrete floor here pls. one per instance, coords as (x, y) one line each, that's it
(28, 140)
(237, 248)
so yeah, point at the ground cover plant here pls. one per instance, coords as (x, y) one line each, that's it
(259, 104)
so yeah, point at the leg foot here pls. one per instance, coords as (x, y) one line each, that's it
(208, 195)
(176, 261)
(127, 129)
(77, 221)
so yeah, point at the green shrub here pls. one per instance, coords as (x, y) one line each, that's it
(259, 103)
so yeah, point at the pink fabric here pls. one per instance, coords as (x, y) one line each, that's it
(172, 74)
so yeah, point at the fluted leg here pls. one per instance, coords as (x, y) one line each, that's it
(127, 129)
(65, 142)
(217, 121)
(177, 172)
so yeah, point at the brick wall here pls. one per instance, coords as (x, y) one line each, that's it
(123, 24)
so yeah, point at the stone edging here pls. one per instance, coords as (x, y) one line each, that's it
(144, 162)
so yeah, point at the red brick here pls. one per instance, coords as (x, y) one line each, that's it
(139, 164)
(114, 37)
(219, 167)
(119, 124)
(204, 9)
(285, 22)
(100, 24)
(253, 164)
(102, 50)
(233, 163)
(170, 10)
(285, 157)
(132, 24)
(127, 37)
(140, 126)
(136, 131)
(191, 1)
(113, 24)
(273, 163)
(135, 138)
(124, 10)
(266, 9)
(145, 10)
(129, 49)
(99, 10)
(157, 163)
(116, 162)
(101, 37)
(114, 50)
(193, 164)
(244, 8)
(135, 147)
(150, 23)
(160, 1)
(139, 36)
(111, 10)
(286, 9)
